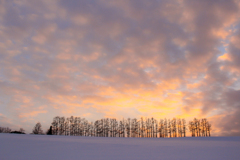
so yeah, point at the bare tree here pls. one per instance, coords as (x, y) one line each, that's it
(21, 130)
(208, 128)
(37, 129)
(184, 127)
(5, 130)
(61, 125)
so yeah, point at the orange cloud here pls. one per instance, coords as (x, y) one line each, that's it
(224, 57)
(125, 59)
(31, 114)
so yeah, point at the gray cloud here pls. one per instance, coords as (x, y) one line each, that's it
(89, 56)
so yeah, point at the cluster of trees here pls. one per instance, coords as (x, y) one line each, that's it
(37, 129)
(200, 127)
(8, 130)
(5, 130)
(110, 127)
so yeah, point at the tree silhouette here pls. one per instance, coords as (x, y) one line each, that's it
(144, 127)
(200, 128)
(21, 130)
(49, 132)
(5, 130)
(37, 129)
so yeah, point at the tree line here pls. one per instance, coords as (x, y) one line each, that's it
(200, 127)
(110, 127)
(8, 130)
(5, 130)
(144, 127)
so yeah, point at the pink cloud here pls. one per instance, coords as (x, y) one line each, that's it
(116, 59)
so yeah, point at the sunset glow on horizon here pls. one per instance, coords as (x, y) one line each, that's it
(120, 59)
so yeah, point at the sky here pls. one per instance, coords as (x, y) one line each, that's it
(120, 59)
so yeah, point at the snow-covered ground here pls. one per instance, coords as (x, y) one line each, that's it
(29, 147)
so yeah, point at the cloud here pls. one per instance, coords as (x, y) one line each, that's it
(120, 59)
(31, 114)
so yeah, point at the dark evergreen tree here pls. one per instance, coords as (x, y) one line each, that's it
(49, 132)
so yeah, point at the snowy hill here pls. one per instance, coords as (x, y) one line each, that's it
(24, 147)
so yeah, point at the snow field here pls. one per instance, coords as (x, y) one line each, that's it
(38, 147)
